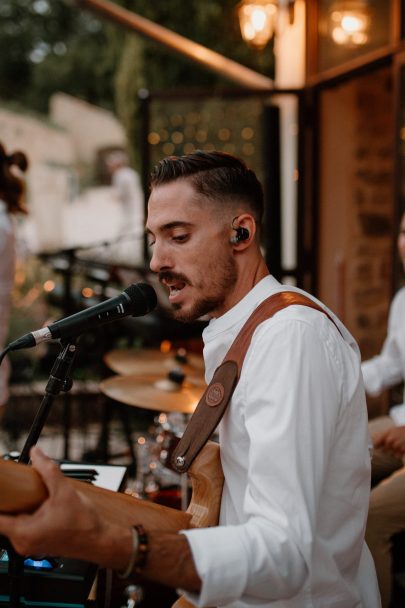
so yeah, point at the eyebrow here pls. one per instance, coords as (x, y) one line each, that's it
(170, 226)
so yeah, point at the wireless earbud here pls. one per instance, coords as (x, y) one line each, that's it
(242, 234)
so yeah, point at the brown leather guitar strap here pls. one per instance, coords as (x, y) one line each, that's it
(218, 393)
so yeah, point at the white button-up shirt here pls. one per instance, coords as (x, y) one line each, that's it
(295, 455)
(388, 368)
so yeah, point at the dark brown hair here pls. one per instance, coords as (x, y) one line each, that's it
(12, 187)
(215, 175)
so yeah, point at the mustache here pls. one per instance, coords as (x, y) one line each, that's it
(166, 275)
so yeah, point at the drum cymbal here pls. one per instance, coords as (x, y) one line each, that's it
(153, 392)
(128, 362)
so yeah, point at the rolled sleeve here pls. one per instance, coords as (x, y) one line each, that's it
(384, 370)
(387, 369)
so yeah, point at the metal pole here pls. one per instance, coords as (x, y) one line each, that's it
(209, 59)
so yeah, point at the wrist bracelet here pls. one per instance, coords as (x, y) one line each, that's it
(142, 549)
(134, 555)
(139, 552)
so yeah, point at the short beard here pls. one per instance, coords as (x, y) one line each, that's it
(200, 309)
(207, 305)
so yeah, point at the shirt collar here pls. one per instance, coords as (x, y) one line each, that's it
(243, 308)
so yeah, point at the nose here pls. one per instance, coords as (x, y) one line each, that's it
(160, 259)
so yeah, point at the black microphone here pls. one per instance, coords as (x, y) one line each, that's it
(138, 299)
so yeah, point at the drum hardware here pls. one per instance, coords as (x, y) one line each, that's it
(185, 358)
(134, 596)
(101, 453)
(174, 380)
(154, 479)
(152, 392)
(175, 397)
(128, 362)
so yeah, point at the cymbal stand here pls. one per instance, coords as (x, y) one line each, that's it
(59, 380)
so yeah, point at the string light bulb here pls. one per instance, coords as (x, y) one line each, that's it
(349, 22)
(257, 20)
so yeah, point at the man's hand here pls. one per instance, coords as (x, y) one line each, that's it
(66, 524)
(391, 441)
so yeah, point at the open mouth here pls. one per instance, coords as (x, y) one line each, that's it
(174, 283)
(175, 288)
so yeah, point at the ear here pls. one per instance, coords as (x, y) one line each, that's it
(248, 223)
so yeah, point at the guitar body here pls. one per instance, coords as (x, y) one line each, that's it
(207, 480)
(22, 491)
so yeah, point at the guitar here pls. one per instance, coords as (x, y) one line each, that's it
(22, 491)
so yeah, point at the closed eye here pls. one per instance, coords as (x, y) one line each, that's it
(180, 238)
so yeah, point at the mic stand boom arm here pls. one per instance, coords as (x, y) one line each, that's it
(59, 380)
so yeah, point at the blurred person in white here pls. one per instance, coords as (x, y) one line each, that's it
(387, 501)
(11, 204)
(127, 185)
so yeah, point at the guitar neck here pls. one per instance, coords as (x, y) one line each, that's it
(22, 491)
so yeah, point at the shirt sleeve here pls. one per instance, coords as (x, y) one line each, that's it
(385, 370)
(292, 389)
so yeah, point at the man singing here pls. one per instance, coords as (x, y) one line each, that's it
(293, 440)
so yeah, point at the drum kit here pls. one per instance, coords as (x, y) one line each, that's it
(170, 384)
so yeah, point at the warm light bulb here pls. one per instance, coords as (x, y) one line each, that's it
(257, 19)
(165, 346)
(352, 23)
(249, 32)
(87, 292)
(49, 286)
(349, 23)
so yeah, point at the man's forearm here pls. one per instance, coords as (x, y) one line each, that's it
(169, 560)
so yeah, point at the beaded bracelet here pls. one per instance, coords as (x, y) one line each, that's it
(143, 547)
(139, 552)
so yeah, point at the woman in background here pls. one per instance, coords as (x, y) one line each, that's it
(12, 190)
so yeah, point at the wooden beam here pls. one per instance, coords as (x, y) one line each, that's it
(207, 58)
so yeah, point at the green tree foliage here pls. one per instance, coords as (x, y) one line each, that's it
(50, 45)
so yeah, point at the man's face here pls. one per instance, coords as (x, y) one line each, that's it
(191, 252)
(401, 240)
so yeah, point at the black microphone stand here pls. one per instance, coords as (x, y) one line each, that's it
(59, 380)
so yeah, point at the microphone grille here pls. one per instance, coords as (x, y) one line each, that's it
(143, 298)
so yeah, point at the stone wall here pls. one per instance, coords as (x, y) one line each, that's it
(372, 249)
(90, 128)
(49, 180)
(60, 148)
(357, 207)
